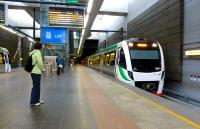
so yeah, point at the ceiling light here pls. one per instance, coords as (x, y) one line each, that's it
(8, 29)
(192, 52)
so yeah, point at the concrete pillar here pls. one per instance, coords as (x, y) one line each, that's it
(67, 51)
(44, 14)
(20, 51)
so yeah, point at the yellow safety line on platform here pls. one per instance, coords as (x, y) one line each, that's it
(166, 110)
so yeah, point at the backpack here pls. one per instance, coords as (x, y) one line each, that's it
(28, 67)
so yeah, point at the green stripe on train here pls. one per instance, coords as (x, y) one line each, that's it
(123, 74)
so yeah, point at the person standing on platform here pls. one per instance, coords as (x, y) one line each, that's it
(59, 64)
(36, 74)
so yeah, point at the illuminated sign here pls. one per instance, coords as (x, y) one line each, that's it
(192, 52)
(66, 17)
(2, 14)
(142, 45)
(66, 1)
(53, 35)
(72, 1)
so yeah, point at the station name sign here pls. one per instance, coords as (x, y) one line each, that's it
(2, 14)
(53, 35)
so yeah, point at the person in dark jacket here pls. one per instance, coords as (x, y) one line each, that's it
(59, 64)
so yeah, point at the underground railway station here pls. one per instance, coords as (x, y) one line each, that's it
(99, 64)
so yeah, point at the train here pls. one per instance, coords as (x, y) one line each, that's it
(4, 60)
(136, 61)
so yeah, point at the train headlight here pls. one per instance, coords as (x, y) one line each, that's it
(130, 44)
(154, 45)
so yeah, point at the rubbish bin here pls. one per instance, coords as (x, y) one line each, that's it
(48, 72)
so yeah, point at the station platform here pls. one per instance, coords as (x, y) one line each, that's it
(87, 99)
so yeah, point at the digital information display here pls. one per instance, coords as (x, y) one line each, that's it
(2, 14)
(66, 17)
(53, 35)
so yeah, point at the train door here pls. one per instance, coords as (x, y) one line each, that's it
(117, 62)
(121, 65)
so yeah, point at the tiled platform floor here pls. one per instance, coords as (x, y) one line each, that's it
(83, 99)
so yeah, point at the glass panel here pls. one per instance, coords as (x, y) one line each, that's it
(122, 61)
(112, 59)
(144, 54)
(1, 58)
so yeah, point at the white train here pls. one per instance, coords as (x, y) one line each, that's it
(138, 62)
(4, 60)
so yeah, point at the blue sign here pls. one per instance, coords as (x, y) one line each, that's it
(53, 35)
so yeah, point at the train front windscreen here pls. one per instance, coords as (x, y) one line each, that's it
(145, 58)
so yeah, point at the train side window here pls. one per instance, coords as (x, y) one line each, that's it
(107, 59)
(93, 60)
(112, 58)
(97, 59)
(1, 58)
(102, 59)
(122, 60)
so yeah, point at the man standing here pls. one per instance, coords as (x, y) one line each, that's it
(36, 74)
(59, 64)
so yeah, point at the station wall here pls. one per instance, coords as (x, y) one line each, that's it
(163, 21)
(25, 49)
(191, 66)
(9, 41)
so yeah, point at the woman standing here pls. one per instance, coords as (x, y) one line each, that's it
(36, 74)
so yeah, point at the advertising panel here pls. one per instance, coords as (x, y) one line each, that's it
(53, 35)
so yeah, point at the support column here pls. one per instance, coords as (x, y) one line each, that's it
(34, 23)
(67, 51)
(44, 14)
(20, 51)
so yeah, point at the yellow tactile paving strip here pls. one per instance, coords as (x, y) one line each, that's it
(107, 95)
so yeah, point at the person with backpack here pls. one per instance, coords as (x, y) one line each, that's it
(38, 68)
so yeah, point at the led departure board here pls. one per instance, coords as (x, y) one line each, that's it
(2, 14)
(66, 17)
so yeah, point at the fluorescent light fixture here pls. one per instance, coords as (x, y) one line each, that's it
(89, 7)
(83, 31)
(20, 35)
(86, 20)
(30, 39)
(192, 52)
(8, 29)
